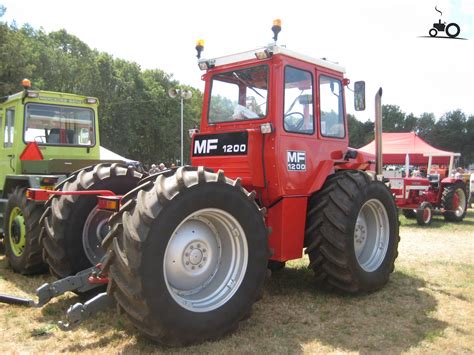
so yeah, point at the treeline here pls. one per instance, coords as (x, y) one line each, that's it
(454, 131)
(137, 117)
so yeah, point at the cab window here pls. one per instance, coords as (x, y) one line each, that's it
(239, 95)
(9, 128)
(331, 108)
(59, 125)
(298, 111)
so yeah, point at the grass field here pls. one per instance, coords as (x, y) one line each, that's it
(426, 307)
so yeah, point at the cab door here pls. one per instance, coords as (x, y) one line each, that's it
(7, 151)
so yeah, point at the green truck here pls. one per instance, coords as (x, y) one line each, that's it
(50, 140)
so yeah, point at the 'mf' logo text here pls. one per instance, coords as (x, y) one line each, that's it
(296, 160)
(205, 146)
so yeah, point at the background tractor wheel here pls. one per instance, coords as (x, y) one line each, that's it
(74, 228)
(352, 233)
(454, 201)
(410, 214)
(22, 230)
(187, 255)
(424, 214)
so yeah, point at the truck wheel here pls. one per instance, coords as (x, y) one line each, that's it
(352, 233)
(409, 214)
(187, 255)
(74, 228)
(424, 214)
(454, 201)
(22, 231)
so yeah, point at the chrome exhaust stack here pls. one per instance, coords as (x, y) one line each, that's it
(378, 135)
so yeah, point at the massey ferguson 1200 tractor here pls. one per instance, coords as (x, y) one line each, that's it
(46, 137)
(271, 177)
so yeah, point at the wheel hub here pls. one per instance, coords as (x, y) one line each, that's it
(360, 233)
(16, 230)
(205, 260)
(371, 235)
(95, 229)
(195, 255)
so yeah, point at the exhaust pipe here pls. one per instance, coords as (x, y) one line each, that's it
(378, 134)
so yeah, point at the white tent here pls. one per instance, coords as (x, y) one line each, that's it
(106, 154)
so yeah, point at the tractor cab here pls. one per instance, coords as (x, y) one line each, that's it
(274, 118)
(46, 133)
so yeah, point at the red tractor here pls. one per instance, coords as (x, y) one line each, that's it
(420, 197)
(272, 176)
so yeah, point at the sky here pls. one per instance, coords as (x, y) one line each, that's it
(380, 42)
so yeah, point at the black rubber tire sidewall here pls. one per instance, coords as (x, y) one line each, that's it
(73, 246)
(22, 263)
(371, 281)
(192, 325)
(419, 214)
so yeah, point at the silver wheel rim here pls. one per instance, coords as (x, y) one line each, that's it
(371, 235)
(205, 260)
(462, 203)
(95, 230)
(427, 214)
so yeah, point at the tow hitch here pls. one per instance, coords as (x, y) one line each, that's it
(83, 281)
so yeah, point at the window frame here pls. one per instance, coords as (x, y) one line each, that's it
(341, 104)
(312, 94)
(61, 145)
(11, 126)
(211, 123)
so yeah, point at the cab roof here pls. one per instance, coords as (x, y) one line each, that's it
(274, 49)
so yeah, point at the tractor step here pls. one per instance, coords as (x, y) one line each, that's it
(79, 312)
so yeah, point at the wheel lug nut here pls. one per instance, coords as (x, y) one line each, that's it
(186, 254)
(187, 262)
(204, 250)
(204, 259)
(191, 247)
(193, 267)
(200, 265)
(199, 245)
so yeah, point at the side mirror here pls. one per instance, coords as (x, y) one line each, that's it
(359, 95)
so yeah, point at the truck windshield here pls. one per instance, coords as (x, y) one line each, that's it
(239, 95)
(59, 125)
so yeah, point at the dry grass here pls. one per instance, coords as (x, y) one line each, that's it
(426, 307)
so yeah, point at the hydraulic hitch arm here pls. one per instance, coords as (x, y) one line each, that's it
(80, 282)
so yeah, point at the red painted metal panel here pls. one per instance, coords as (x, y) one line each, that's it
(287, 220)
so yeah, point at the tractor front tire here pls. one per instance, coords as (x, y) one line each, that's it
(352, 233)
(187, 256)
(424, 214)
(73, 227)
(454, 201)
(22, 231)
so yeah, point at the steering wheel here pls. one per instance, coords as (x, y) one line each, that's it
(293, 121)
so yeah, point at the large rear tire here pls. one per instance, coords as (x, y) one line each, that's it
(187, 256)
(22, 230)
(454, 201)
(73, 227)
(352, 233)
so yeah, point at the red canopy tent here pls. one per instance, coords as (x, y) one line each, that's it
(395, 147)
